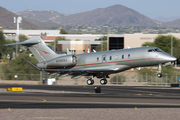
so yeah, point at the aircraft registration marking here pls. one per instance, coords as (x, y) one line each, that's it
(61, 60)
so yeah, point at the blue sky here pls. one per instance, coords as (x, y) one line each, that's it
(150, 8)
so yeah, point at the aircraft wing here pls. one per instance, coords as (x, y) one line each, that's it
(31, 65)
(80, 70)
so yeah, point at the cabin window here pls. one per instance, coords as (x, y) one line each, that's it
(116, 57)
(104, 58)
(128, 55)
(110, 58)
(97, 59)
(122, 56)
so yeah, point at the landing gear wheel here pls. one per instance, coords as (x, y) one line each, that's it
(159, 75)
(159, 71)
(90, 82)
(103, 81)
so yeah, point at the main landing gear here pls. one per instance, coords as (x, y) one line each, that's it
(159, 71)
(103, 81)
(90, 81)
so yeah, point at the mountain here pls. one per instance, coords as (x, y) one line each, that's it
(43, 16)
(7, 22)
(113, 15)
(163, 19)
(175, 24)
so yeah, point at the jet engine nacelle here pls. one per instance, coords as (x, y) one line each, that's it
(63, 61)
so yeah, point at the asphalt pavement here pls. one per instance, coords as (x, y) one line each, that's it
(38, 96)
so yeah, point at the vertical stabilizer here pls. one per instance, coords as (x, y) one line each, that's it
(39, 49)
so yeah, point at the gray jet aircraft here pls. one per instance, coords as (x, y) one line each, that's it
(95, 64)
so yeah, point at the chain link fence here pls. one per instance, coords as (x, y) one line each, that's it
(125, 78)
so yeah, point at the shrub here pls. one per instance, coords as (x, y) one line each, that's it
(118, 79)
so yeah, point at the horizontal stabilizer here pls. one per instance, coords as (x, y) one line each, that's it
(23, 43)
(29, 42)
(32, 66)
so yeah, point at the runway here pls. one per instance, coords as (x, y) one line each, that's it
(43, 96)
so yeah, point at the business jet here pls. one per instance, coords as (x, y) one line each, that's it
(94, 64)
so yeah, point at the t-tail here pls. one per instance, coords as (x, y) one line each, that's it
(39, 49)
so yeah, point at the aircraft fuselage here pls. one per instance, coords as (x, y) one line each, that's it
(119, 60)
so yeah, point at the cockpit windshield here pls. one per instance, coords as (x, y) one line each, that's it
(155, 50)
(158, 50)
(151, 50)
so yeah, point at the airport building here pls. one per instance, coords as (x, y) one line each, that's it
(132, 40)
(74, 44)
(77, 47)
(82, 43)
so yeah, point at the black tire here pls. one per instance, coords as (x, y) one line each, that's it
(92, 82)
(102, 81)
(89, 82)
(159, 75)
(105, 81)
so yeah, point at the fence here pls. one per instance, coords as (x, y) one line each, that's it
(125, 78)
(137, 79)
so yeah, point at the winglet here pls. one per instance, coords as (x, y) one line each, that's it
(32, 66)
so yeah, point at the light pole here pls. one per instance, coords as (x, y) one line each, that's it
(171, 45)
(101, 43)
(54, 44)
(18, 20)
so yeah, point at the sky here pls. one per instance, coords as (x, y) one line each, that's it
(149, 8)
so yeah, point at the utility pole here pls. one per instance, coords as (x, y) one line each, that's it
(18, 20)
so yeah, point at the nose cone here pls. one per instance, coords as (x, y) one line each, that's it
(171, 58)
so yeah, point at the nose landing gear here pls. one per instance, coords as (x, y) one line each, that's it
(159, 71)
(159, 75)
